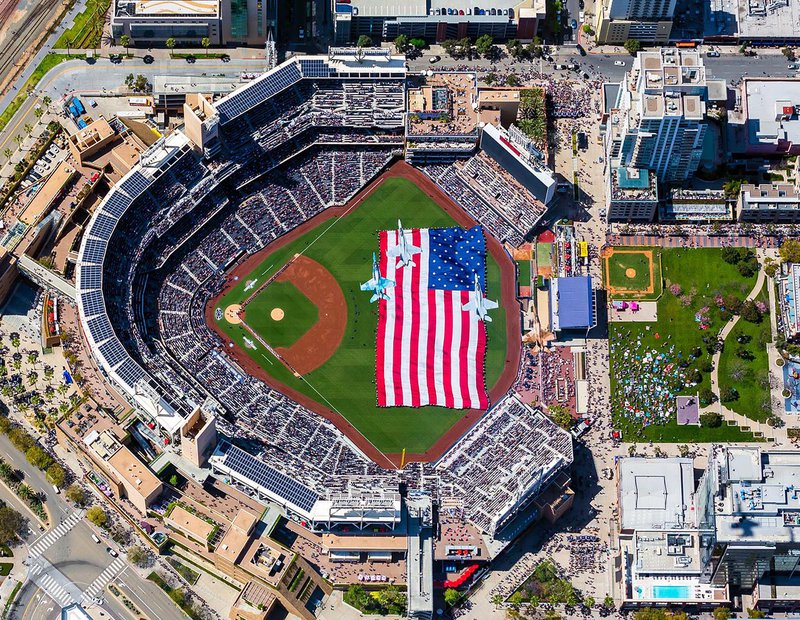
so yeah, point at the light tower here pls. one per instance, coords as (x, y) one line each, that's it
(271, 52)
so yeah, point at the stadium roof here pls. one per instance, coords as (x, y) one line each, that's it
(573, 304)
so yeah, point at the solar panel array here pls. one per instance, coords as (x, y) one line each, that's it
(135, 184)
(268, 478)
(315, 68)
(90, 277)
(94, 251)
(130, 372)
(240, 102)
(100, 328)
(113, 352)
(116, 203)
(103, 226)
(93, 303)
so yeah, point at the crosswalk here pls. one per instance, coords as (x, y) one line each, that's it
(97, 586)
(50, 585)
(46, 541)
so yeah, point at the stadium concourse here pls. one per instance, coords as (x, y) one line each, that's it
(296, 141)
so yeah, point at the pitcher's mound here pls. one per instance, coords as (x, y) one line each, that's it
(276, 314)
(630, 273)
(232, 314)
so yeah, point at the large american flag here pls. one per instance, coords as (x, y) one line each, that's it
(429, 350)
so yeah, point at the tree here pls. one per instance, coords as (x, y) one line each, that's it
(632, 46)
(12, 525)
(512, 80)
(484, 44)
(721, 613)
(76, 494)
(750, 312)
(364, 41)
(401, 43)
(465, 45)
(56, 475)
(650, 613)
(710, 419)
(706, 397)
(516, 599)
(38, 457)
(140, 84)
(46, 101)
(38, 113)
(514, 48)
(449, 47)
(608, 602)
(788, 52)
(18, 140)
(756, 613)
(138, 556)
(589, 601)
(587, 29)
(418, 44)
(790, 251)
(8, 153)
(732, 188)
(125, 41)
(560, 415)
(171, 45)
(28, 128)
(728, 394)
(97, 515)
(452, 597)
(129, 80)
(748, 268)
(490, 78)
(206, 43)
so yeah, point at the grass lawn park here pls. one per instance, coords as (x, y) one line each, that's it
(750, 377)
(651, 363)
(346, 382)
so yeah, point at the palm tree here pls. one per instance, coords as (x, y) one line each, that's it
(32, 357)
(18, 139)
(28, 128)
(8, 153)
(33, 377)
(171, 45)
(125, 41)
(6, 391)
(38, 113)
(205, 42)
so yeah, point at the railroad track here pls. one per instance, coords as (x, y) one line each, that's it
(22, 38)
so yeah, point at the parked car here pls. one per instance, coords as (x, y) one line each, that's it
(434, 59)
(111, 552)
(712, 54)
(793, 66)
(619, 63)
(574, 24)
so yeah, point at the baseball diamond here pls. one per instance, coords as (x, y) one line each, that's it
(333, 369)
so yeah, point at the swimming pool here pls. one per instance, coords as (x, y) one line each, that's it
(671, 593)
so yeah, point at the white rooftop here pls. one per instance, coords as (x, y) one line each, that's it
(656, 494)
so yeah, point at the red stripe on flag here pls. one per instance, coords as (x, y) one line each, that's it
(449, 401)
(413, 358)
(380, 350)
(467, 324)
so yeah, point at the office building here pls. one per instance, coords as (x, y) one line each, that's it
(755, 498)
(649, 21)
(632, 194)
(765, 119)
(658, 121)
(776, 203)
(664, 544)
(436, 20)
(223, 22)
(789, 302)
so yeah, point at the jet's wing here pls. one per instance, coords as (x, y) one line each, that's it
(412, 249)
(369, 285)
(395, 250)
(386, 283)
(489, 304)
(472, 304)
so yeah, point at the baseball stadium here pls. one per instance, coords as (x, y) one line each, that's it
(229, 273)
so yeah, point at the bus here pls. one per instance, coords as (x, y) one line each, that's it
(138, 101)
(686, 44)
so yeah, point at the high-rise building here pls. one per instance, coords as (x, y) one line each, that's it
(649, 21)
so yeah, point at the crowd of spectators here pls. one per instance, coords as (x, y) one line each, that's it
(499, 459)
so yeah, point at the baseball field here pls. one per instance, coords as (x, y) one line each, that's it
(301, 302)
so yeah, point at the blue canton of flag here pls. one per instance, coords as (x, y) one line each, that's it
(456, 255)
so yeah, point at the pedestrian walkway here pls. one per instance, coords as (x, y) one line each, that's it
(691, 241)
(47, 540)
(99, 584)
(53, 583)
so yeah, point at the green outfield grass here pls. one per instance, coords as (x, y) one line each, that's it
(346, 382)
(300, 314)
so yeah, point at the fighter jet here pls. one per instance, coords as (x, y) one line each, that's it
(403, 249)
(479, 303)
(378, 284)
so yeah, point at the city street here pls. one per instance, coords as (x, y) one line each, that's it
(72, 560)
(80, 77)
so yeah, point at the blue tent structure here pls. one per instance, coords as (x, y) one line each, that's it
(67, 377)
(572, 303)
